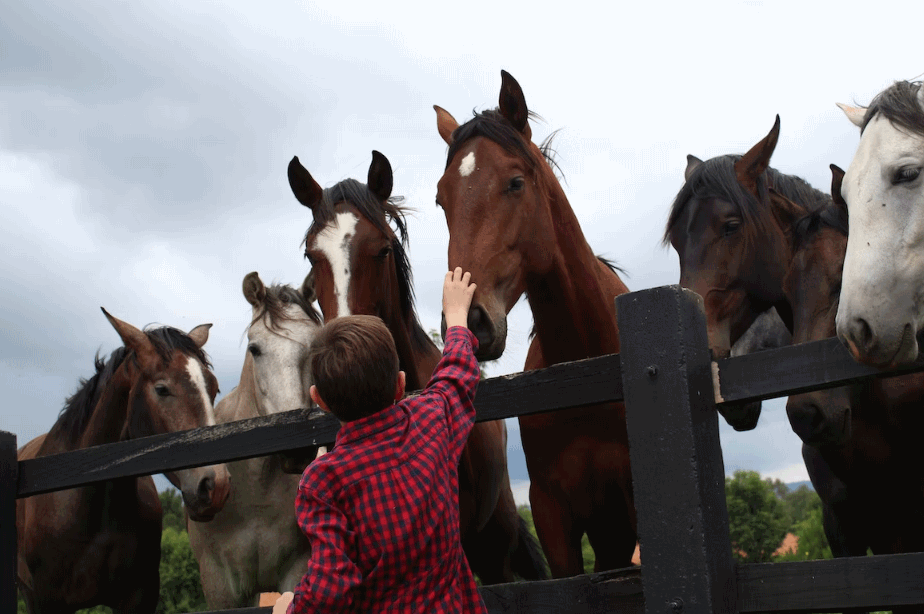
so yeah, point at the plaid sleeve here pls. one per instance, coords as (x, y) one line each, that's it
(332, 575)
(456, 380)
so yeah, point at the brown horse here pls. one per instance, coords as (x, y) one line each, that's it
(361, 267)
(511, 225)
(872, 446)
(100, 544)
(730, 227)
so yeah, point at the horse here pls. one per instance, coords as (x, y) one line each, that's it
(880, 419)
(361, 267)
(881, 310)
(255, 544)
(512, 226)
(100, 544)
(729, 224)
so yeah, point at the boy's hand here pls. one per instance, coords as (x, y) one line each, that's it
(282, 604)
(457, 297)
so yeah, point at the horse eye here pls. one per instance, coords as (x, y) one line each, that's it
(254, 350)
(730, 227)
(516, 184)
(384, 253)
(906, 175)
(161, 390)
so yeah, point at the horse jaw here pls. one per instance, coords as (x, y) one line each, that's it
(882, 299)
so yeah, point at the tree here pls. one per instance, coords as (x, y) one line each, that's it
(757, 518)
(174, 513)
(799, 504)
(812, 541)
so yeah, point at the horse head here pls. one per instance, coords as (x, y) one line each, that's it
(172, 389)
(881, 309)
(812, 286)
(495, 194)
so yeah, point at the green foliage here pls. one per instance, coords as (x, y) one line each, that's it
(174, 514)
(757, 518)
(800, 503)
(812, 541)
(180, 586)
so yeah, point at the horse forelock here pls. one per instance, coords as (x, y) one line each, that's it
(351, 191)
(901, 104)
(274, 309)
(809, 225)
(492, 125)
(716, 178)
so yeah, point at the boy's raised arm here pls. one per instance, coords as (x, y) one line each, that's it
(456, 376)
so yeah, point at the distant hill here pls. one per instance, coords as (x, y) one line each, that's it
(796, 485)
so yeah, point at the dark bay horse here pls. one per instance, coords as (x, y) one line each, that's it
(873, 445)
(361, 266)
(511, 225)
(730, 226)
(100, 544)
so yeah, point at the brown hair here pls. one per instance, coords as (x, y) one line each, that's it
(354, 364)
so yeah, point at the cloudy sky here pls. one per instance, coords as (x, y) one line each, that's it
(143, 149)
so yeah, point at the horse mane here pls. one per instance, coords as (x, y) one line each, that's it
(808, 226)
(381, 215)
(716, 178)
(74, 416)
(899, 103)
(278, 297)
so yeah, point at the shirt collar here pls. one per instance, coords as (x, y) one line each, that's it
(370, 425)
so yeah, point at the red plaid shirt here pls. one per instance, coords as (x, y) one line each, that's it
(381, 509)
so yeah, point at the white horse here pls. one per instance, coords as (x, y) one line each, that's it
(254, 545)
(882, 298)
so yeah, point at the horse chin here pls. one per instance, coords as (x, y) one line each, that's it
(741, 416)
(491, 350)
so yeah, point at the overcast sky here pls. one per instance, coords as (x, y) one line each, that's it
(143, 149)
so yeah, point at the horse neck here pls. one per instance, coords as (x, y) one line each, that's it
(417, 362)
(110, 414)
(573, 303)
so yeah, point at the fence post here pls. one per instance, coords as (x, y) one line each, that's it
(677, 469)
(8, 551)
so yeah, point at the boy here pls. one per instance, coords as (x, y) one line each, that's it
(381, 509)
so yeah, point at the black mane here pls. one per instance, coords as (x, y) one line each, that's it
(715, 178)
(74, 416)
(900, 105)
(381, 216)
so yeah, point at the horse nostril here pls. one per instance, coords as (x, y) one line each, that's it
(206, 487)
(474, 318)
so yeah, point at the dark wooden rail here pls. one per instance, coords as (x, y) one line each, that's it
(667, 380)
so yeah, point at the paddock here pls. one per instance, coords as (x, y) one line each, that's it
(671, 388)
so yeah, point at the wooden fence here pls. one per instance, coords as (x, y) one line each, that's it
(671, 388)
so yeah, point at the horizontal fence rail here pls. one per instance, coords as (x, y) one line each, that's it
(762, 375)
(574, 384)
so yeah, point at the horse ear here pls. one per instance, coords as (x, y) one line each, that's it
(134, 339)
(307, 289)
(380, 179)
(200, 334)
(254, 290)
(512, 104)
(692, 164)
(303, 185)
(755, 162)
(837, 180)
(854, 114)
(446, 124)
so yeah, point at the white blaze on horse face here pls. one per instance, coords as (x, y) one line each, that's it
(883, 277)
(194, 368)
(334, 243)
(468, 164)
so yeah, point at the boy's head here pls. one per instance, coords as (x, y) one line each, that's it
(354, 366)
